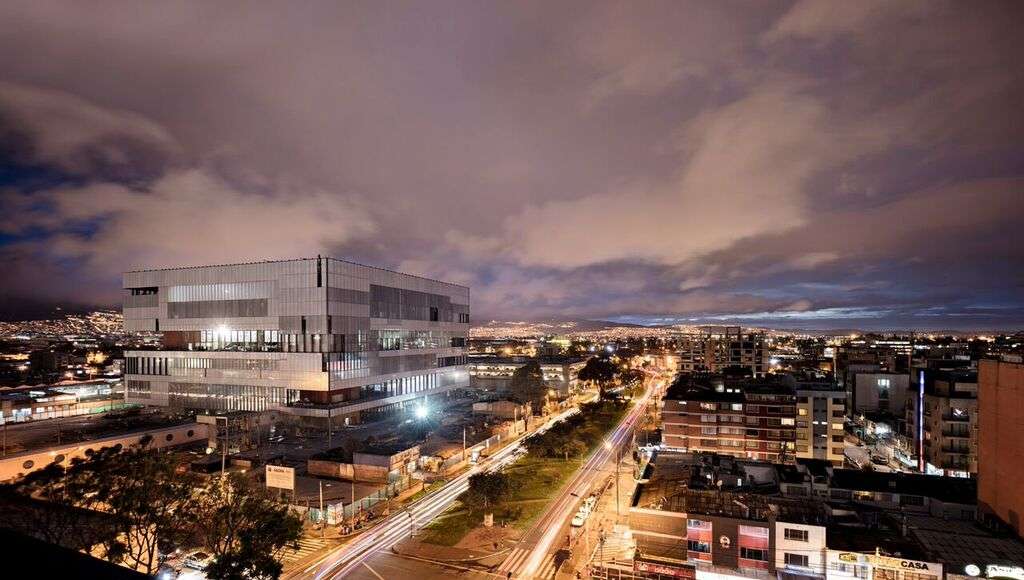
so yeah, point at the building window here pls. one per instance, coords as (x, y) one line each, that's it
(788, 421)
(796, 535)
(753, 554)
(433, 314)
(796, 560)
(883, 383)
(802, 412)
(698, 546)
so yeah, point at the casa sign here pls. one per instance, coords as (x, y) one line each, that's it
(909, 565)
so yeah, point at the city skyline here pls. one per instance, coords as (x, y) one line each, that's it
(786, 164)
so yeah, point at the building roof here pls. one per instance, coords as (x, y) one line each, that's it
(959, 543)
(292, 260)
(949, 489)
(44, 560)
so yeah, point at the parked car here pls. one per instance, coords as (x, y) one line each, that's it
(198, 560)
(578, 520)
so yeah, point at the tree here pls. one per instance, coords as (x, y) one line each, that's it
(598, 370)
(488, 491)
(528, 383)
(571, 447)
(244, 529)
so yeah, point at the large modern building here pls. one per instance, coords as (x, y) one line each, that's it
(315, 337)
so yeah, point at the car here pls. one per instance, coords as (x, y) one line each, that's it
(589, 503)
(198, 560)
(578, 520)
(879, 460)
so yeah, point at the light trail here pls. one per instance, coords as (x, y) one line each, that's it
(398, 526)
(581, 483)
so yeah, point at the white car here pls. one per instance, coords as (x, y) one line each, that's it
(198, 560)
(578, 520)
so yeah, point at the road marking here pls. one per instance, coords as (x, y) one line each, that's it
(514, 560)
(372, 571)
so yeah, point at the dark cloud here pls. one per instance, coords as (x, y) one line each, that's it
(795, 163)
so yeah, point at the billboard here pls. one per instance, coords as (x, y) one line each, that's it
(281, 477)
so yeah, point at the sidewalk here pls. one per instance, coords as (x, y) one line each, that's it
(603, 520)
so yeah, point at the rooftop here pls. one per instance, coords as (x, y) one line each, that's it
(948, 489)
(957, 544)
(292, 260)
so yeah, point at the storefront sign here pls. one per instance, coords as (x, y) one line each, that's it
(681, 571)
(1000, 571)
(906, 565)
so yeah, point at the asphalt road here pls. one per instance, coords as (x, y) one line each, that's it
(349, 559)
(387, 566)
(549, 532)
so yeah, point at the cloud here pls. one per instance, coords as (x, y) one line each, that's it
(53, 128)
(809, 19)
(746, 172)
(574, 159)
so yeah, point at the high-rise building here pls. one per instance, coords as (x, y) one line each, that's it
(755, 419)
(942, 420)
(718, 348)
(820, 414)
(1001, 441)
(318, 338)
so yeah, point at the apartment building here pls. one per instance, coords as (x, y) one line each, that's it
(820, 415)
(942, 420)
(754, 419)
(881, 392)
(1001, 441)
(318, 338)
(718, 348)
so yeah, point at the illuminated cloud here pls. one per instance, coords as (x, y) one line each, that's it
(796, 163)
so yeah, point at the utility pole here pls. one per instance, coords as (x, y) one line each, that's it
(618, 455)
(5, 437)
(323, 516)
(463, 443)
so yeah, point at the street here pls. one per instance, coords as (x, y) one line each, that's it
(534, 556)
(348, 559)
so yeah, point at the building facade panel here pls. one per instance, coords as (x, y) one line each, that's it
(300, 332)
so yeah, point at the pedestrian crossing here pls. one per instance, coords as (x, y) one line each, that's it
(307, 547)
(517, 559)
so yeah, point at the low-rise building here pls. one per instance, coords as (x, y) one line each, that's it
(495, 372)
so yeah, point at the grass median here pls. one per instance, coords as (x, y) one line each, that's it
(537, 477)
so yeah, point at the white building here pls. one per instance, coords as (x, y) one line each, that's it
(314, 337)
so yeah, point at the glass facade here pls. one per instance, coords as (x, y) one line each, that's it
(307, 332)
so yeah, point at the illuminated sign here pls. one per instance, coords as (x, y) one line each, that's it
(724, 541)
(281, 477)
(999, 571)
(682, 571)
(848, 557)
(908, 565)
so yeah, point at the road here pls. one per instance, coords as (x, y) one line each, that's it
(534, 556)
(350, 558)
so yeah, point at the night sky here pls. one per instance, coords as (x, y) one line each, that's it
(808, 164)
